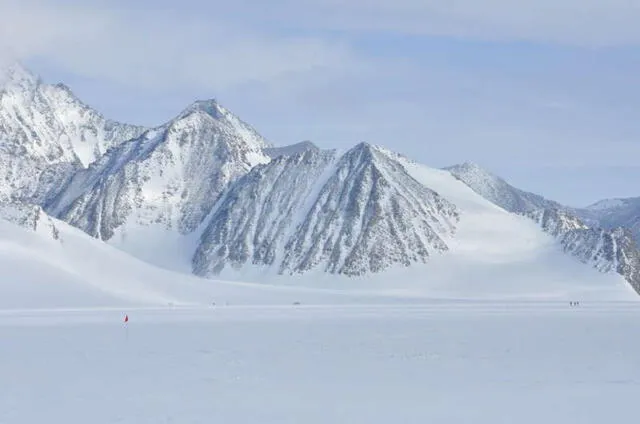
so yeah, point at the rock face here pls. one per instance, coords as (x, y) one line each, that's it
(46, 135)
(352, 214)
(172, 175)
(606, 249)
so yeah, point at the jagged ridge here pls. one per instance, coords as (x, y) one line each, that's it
(356, 214)
(498, 191)
(293, 210)
(171, 176)
(46, 135)
(607, 251)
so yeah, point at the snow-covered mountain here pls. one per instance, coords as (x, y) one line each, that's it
(206, 194)
(351, 214)
(583, 233)
(46, 135)
(500, 192)
(77, 271)
(614, 213)
(170, 177)
(608, 214)
(274, 152)
(606, 250)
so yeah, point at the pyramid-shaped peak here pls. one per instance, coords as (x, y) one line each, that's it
(362, 149)
(210, 107)
(367, 151)
(362, 146)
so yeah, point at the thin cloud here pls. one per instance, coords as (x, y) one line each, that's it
(570, 22)
(156, 49)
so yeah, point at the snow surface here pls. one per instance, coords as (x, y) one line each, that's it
(76, 271)
(441, 363)
(495, 251)
(498, 191)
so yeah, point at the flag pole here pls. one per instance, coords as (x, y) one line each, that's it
(126, 326)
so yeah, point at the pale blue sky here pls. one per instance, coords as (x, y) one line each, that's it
(544, 93)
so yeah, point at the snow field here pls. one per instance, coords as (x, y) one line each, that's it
(460, 362)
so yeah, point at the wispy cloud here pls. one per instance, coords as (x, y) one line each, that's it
(573, 22)
(156, 48)
(522, 87)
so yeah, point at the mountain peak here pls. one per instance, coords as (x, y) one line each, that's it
(607, 204)
(210, 107)
(345, 214)
(362, 150)
(363, 145)
(17, 75)
(469, 167)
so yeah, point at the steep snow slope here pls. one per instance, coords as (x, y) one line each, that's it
(161, 186)
(73, 270)
(498, 252)
(46, 134)
(500, 192)
(351, 214)
(586, 234)
(608, 214)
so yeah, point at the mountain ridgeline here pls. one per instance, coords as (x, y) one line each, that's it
(350, 214)
(232, 201)
(601, 243)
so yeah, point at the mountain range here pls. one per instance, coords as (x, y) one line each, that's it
(206, 194)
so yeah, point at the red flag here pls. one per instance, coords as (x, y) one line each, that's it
(126, 318)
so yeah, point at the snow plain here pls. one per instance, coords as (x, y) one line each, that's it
(439, 362)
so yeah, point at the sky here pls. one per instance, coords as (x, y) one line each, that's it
(544, 93)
